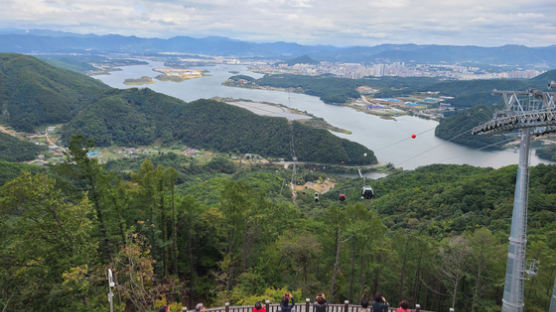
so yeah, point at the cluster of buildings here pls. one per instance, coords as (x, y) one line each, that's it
(430, 106)
(400, 69)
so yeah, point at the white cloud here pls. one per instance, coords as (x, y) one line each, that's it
(346, 22)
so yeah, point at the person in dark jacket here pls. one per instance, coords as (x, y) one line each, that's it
(285, 305)
(380, 304)
(320, 303)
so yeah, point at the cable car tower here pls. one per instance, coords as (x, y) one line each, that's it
(532, 112)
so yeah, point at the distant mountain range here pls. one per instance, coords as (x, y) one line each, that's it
(304, 59)
(44, 41)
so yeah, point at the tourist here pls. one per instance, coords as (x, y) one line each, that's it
(259, 307)
(320, 303)
(365, 306)
(380, 304)
(285, 305)
(404, 306)
(199, 307)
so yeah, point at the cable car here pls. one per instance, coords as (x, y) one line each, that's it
(342, 197)
(316, 197)
(367, 192)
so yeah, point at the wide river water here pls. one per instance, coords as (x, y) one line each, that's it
(390, 140)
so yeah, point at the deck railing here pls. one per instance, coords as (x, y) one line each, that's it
(306, 306)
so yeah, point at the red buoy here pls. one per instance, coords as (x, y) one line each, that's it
(413, 136)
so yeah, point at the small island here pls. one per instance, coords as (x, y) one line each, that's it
(177, 74)
(139, 81)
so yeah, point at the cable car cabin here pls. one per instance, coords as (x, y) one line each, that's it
(367, 192)
(342, 197)
(316, 197)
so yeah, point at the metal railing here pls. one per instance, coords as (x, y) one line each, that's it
(306, 306)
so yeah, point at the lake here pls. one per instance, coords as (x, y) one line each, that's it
(389, 139)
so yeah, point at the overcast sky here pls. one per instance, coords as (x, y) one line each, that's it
(334, 22)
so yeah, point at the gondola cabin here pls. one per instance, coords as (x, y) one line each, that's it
(342, 197)
(367, 192)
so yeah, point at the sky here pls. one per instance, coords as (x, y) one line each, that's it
(328, 22)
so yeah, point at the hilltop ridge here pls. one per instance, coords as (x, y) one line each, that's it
(33, 93)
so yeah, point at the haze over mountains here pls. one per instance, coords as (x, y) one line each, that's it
(41, 41)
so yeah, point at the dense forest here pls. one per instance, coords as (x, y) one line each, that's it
(140, 116)
(457, 128)
(334, 90)
(11, 170)
(33, 93)
(14, 149)
(178, 232)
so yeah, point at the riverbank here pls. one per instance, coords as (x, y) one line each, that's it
(279, 110)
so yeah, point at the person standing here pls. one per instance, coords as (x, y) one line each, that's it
(285, 305)
(259, 307)
(200, 307)
(365, 306)
(404, 306)
(380, 304)
(320, 303)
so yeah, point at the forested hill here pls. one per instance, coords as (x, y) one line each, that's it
(140, 116)
(336, 90)
(33, 93)
(14, 149)
(478, 102)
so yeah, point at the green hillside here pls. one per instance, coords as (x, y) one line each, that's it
(11, 170)
(14, 149)
(33, 93)
(125, 117)
(141, 116)
(335, 90)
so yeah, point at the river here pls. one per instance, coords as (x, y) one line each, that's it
(390, 140)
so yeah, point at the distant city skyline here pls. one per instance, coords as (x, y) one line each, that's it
(326, 22)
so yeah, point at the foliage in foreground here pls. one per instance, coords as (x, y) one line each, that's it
(435, 236)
